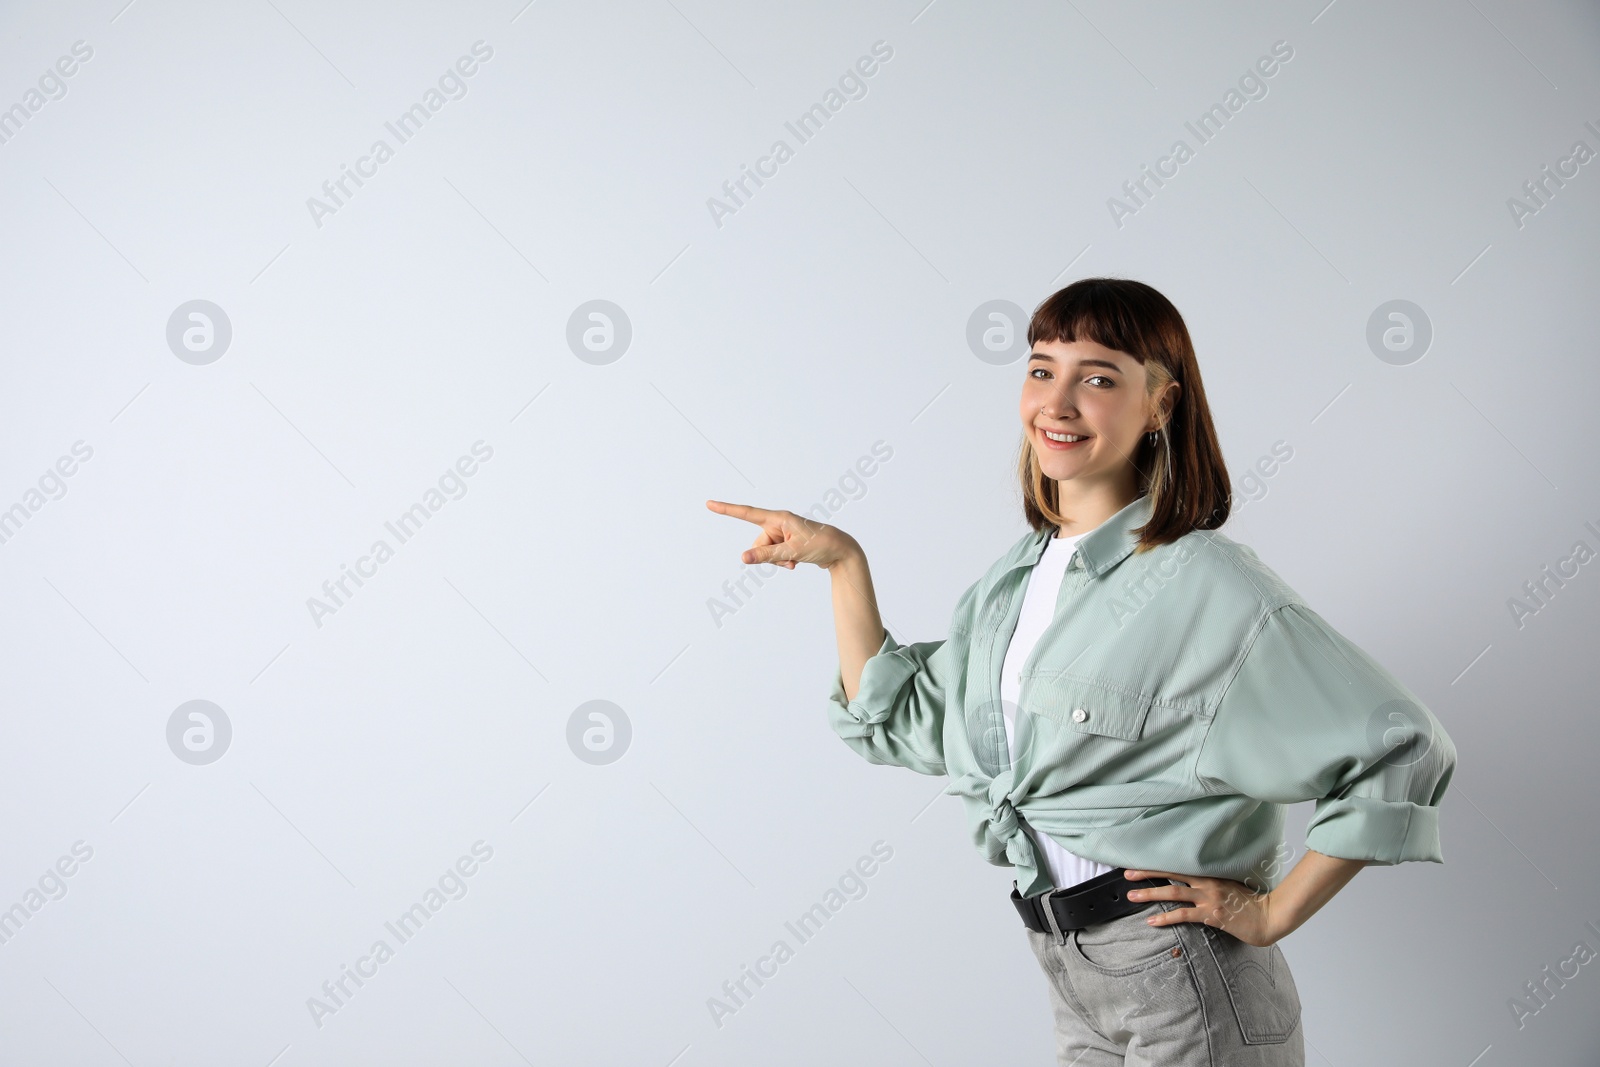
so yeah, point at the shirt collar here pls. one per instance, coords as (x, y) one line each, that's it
(1101, 549)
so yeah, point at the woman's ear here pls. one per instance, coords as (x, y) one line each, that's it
(1162, 407)
(1169, 402)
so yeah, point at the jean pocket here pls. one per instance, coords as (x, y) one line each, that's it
(1260, 988)
(1124, 946)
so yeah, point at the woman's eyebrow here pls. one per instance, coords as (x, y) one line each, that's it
(1048, 358)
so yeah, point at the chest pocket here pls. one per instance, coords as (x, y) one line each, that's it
(1088, 707)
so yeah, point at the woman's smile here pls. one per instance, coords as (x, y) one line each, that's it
(1061, 442)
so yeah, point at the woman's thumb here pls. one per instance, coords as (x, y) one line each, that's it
(766, 554)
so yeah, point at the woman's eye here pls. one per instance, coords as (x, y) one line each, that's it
(1101, 378)
(1037, 370)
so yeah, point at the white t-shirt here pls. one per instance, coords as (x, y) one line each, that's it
(1038, 609)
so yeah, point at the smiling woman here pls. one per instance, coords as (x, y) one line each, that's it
(1133, 766)
(1105, 421)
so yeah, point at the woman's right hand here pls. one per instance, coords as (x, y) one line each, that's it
(787, 538)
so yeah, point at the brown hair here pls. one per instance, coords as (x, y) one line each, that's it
(1183, 472)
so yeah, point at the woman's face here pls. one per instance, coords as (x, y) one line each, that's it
(1085, 390)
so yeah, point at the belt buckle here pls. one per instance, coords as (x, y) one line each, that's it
(1058, 904)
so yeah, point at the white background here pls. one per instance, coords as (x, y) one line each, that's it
(768, 355)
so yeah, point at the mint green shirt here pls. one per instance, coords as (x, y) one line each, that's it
(1177, 701)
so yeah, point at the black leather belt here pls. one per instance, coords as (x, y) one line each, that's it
(1098, 900)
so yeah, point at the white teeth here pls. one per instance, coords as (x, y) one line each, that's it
(1064, 436)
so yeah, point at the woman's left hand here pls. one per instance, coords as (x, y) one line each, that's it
(1220, 902)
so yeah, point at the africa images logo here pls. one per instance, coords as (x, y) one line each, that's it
(1252, 86)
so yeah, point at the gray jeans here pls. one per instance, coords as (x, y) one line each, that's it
(1128, 994)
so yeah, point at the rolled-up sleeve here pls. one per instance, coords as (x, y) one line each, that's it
(1311, 716)
(897, 716)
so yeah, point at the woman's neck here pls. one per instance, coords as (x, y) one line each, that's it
(1086, 507)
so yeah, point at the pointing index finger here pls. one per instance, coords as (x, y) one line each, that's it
(739, 511)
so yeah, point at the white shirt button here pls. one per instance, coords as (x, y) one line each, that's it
(1078, 715)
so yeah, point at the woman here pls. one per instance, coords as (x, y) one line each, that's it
(1126, 700)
